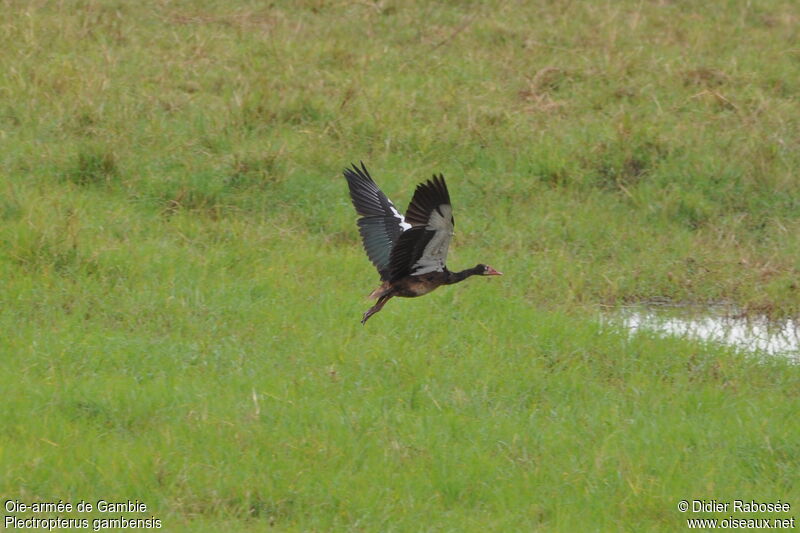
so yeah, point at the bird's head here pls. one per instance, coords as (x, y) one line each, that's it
(486, 270)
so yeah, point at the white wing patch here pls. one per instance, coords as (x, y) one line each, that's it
(403, 224)
(434, 256)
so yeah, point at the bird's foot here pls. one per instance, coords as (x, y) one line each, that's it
(366, 316)
(375, 308)
(371, 311)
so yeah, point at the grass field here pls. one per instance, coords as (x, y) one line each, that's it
(182, 277)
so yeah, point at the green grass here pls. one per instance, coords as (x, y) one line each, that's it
(182, 277)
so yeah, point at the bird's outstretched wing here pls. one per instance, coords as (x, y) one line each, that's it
(423, 248)
(380, 224)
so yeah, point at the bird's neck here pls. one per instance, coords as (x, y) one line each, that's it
(455, 277)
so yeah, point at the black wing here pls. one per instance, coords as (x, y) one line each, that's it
(423, 248)
(380, 224)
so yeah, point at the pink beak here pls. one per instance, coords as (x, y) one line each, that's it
(493, 272)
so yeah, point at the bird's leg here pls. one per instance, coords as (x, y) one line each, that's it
(377, 307)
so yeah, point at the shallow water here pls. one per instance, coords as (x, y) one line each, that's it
(720, 324)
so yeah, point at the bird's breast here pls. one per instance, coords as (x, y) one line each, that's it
(413, 286)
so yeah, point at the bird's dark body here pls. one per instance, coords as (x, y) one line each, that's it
(412, 286)
(409, 252)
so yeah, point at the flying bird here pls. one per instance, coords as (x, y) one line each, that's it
(409, 252)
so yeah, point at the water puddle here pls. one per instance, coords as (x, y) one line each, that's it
(720, 324)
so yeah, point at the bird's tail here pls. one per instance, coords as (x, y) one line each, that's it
(380, 291)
